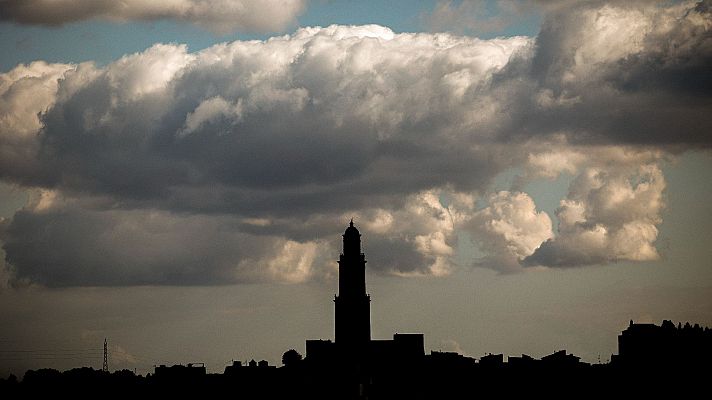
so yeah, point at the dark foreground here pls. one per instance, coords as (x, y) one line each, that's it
(429, 379)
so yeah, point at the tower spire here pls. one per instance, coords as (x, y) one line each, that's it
(353, 314)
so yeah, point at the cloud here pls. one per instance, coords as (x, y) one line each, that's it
(255, 122)
(616, 73)
(25, 92)
(609, 215)
(220, 16)
(551, 164)
(241, 161)
(419, 238)
(208, 110)
(60, 242)
(450, 345)
(508, 230)
(120, 356)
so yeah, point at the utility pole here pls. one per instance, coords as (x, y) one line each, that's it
(105, 367)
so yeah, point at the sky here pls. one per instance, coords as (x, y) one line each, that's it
(175, 175)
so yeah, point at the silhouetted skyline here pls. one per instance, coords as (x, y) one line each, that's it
(355, 366)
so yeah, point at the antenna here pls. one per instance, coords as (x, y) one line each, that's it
(105, 367)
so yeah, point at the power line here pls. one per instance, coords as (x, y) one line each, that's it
(51, 358)
(45, 356)
(39, 352)
(54, 354)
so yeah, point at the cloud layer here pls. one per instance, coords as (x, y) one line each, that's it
(221, 16)
(239, 162)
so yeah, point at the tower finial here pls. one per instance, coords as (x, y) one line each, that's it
(351, 224)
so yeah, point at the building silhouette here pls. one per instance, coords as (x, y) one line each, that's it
(179, 372)
(643, 345)
(352, 345)
(352, 324)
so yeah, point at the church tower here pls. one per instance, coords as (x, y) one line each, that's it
(353, 312)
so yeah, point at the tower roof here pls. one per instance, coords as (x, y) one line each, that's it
(351, 230)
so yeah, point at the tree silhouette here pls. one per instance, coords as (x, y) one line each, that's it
(291, 358)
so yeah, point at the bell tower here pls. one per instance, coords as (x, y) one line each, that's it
(353, 309)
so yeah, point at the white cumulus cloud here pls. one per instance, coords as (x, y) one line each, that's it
(610, 215)
(508, 230)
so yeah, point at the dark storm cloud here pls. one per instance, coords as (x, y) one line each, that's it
(629, 74)
(67, 245)
(261, 148)
(221, 16)
(231, 129)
